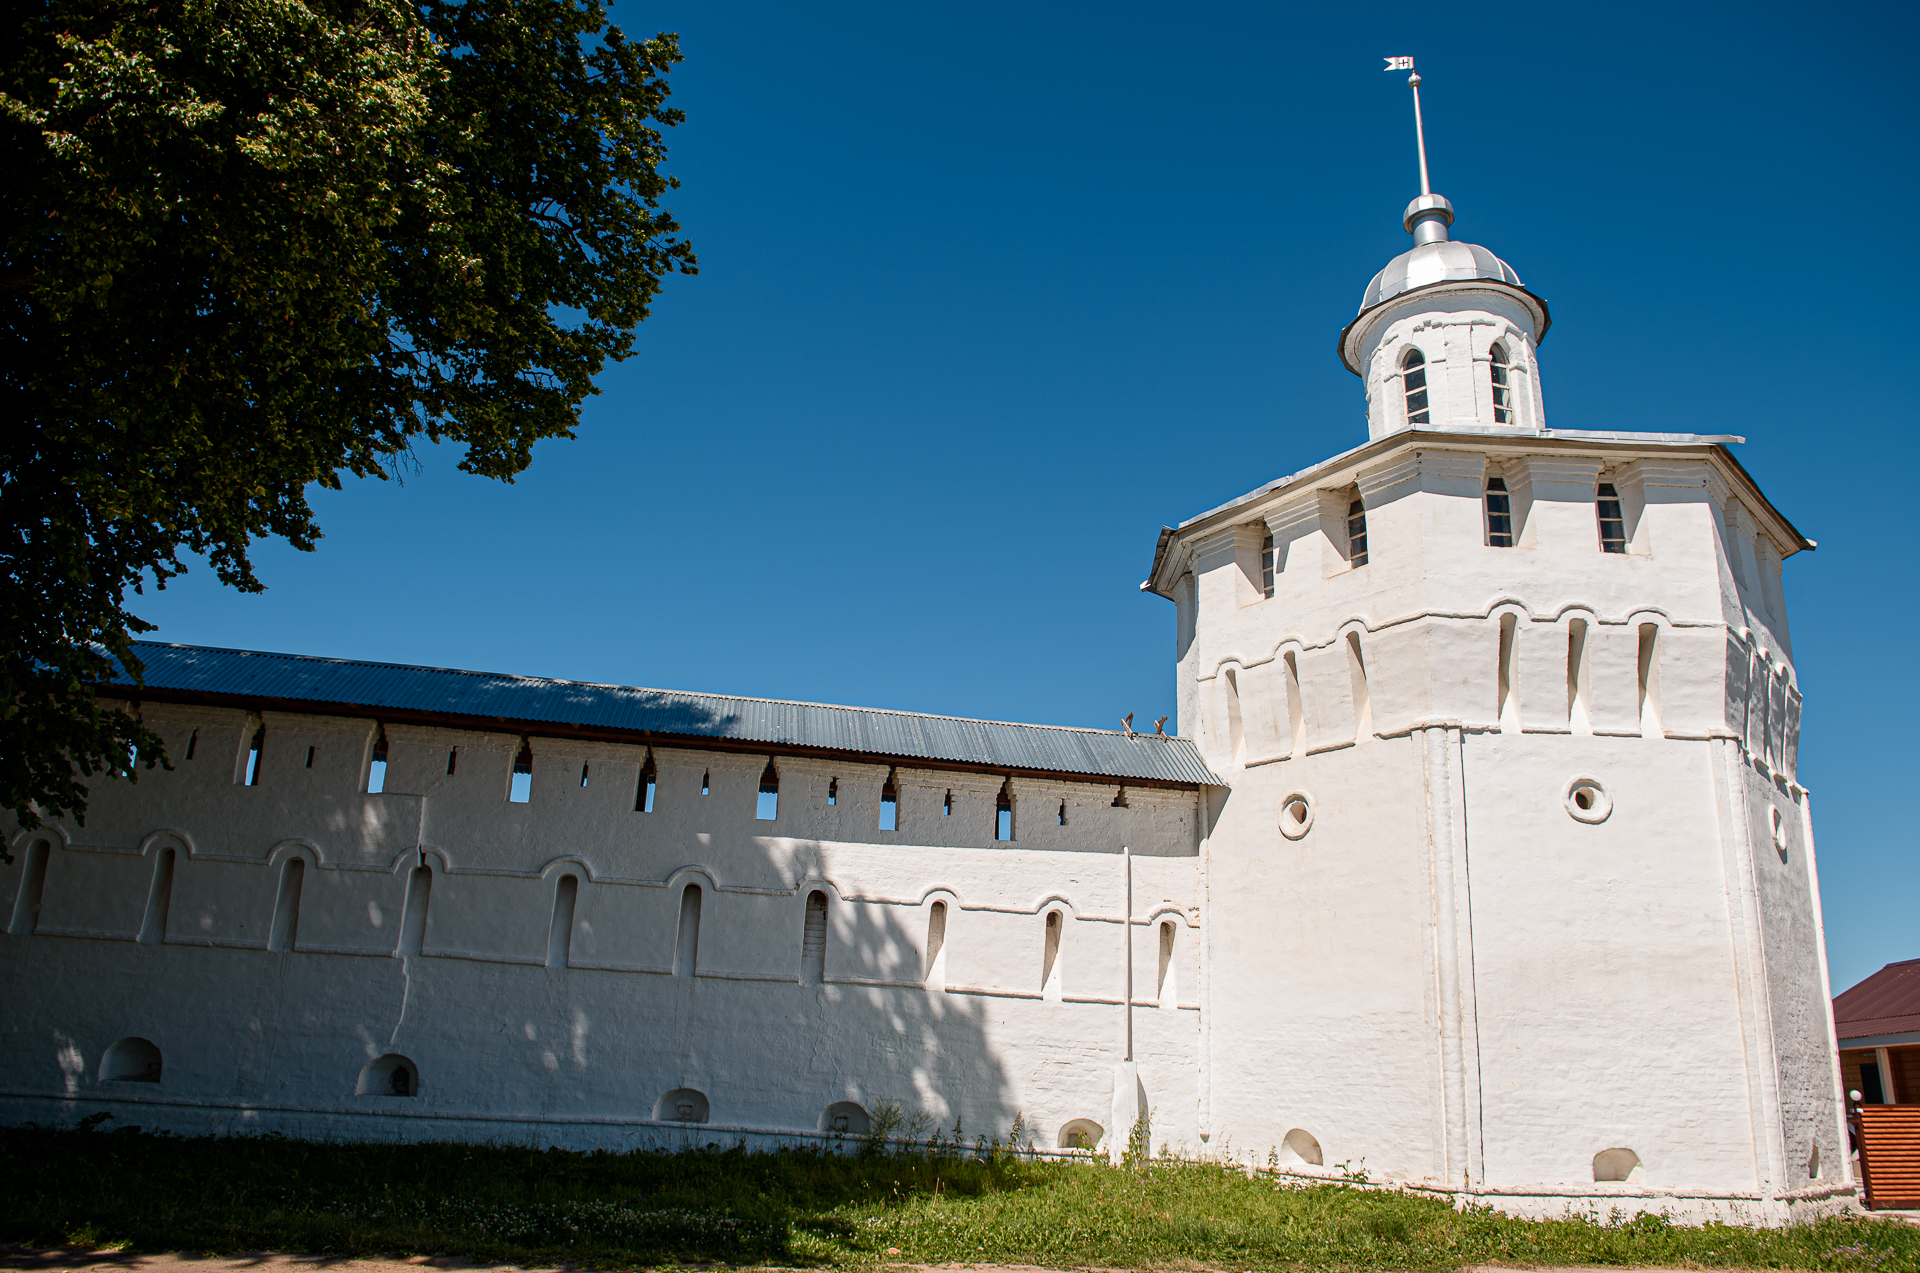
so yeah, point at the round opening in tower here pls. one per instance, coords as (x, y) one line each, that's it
(1587, 800)
(1296, 815)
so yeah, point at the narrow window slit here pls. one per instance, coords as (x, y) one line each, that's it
(1357, 533)
(706, 783)
(768, 807)
(936, 942)
(566, 894)
(1063, 813)
(310, 757)
(285, 933)
(1650, 680)
(813, 941)
(648, 784)
(889, 804)
(453, 755)
(376, 770)
(946, 809)
(1119, 799)
(1003, 812)
(1266, 567)
(193, 741)
(520, 787)
(254, 749)
(584, 768)
(833, 792)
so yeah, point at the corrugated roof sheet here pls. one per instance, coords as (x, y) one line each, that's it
(495, 697)
(1886, 1003)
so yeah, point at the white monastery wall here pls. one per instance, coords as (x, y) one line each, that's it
(508, 1024)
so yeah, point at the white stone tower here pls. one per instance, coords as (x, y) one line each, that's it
(1513, 889)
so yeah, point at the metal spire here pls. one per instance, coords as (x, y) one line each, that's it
(1427, 217)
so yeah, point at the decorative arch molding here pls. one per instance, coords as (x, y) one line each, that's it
(1056, 901)
(554, 867)
(941, 893)
(692, 873)
(296, 847)
(166, 838)
(1167, 910)
(407, 859)
(809, 883)
(47, 831)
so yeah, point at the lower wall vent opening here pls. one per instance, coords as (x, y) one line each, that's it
(131, 1060)
(389, 1075)
(846, 1118)
(681, 1105)
(1616, 1164)
(1081, 1133)
(1299, 1146)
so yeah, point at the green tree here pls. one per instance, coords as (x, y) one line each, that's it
(247, 246)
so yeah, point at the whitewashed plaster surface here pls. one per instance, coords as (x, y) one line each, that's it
(1393, 938)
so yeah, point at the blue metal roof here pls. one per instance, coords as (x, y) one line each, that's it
(488, 698)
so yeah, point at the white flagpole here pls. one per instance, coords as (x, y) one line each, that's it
(1126, 854)
(1419, 132)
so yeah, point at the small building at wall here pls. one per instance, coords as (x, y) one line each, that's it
(1480, 860)
(1878, 1023)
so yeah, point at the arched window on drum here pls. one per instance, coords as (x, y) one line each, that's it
(1413, 369)
(1500, 367)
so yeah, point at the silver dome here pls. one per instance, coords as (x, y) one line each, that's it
(1440, 262)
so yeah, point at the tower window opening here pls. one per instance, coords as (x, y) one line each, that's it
(1003, 813)
(33, 886)
(768, 806)
(833, 791)
(1499, 513)
(706, 782)
(1063, 813)
(1266, 567)
(936, 940)
(946, 809)
(310, 752)
(813, 940)
(193, 741)
(649, 783)
(1650, 679)
(376, 771)
(520, 787)
(583, 773)
(284, 934)
(1050, 958)
(1501, 369)
(1415, 378)
(1613, 525)
(254, 748)
(1357, 533)
(153, 926)
(1507, 704)
(1165, 990)
(1119, 799)
(453, 758)
(890, 804)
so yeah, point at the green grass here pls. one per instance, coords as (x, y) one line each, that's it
(496, 1202)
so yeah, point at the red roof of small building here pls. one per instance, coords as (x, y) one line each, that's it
(1886, 1003)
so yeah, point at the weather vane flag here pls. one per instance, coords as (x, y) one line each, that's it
(1419, 129)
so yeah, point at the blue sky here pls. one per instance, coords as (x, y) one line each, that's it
(990, 293)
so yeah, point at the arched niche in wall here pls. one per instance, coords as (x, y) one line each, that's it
(131, 1060)
(1616, 1165)
(682, 1105)
(389, 1075)
(1081, 1133)
(846, 1118)
(1300, 1146)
